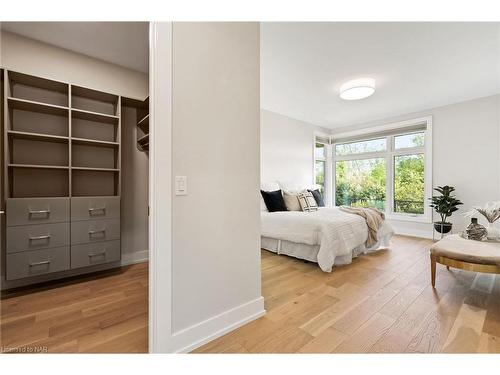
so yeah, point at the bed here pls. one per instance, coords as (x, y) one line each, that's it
(328, 236)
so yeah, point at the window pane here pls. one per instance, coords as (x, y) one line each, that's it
(319, 150)
(320, 174)
(409, 140)
(409, 184)
(371, 145)
(361, 183)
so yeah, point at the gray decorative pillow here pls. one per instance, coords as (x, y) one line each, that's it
(307, 202)
(292, 201)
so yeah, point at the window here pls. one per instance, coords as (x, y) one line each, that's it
(320, 165)
(409, 140)
(360, 183)
(387, 172)
(409, 173)
(409, 184)
(319, 150)
(370, 145)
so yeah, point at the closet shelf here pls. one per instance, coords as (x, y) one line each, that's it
(143, 140)
(94, 142)
(37, 136)
(85, 92)
(95, 169)
(37, 166)
(32, 106)
(144, 122)
(94, 116)
(38, 82)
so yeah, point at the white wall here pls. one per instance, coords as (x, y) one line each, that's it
(216, 227)
(287, 149)
(466, 143)
(32, 57)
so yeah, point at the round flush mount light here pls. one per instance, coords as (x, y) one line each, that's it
(357, 89)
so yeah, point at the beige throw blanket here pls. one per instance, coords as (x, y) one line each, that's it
(373, 218)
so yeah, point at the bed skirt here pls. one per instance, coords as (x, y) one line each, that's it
(310, 252)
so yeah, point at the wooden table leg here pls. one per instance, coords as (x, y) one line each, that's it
(433, 270)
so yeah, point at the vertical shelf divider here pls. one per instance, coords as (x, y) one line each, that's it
(6, 124)
(119, 151)
(70, 145)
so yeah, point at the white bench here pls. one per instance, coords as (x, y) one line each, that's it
(457, 252)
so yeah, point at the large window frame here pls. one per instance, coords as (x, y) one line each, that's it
(389, 132)
(324, 139)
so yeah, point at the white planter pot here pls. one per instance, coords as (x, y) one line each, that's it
(493, 232)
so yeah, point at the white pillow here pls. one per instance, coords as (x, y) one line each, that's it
(267, 186)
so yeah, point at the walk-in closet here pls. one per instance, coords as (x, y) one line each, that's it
(75, 141)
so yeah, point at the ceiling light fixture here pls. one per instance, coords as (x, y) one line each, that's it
(357, 89)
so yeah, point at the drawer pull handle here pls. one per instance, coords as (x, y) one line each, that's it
(45, 237)
(98, 209)
(39, 212)
(92, 232)
(102, 253)
(39, 263)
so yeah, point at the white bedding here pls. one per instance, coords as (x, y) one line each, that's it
(336, 232)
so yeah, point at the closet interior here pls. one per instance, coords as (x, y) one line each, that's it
(65, 156)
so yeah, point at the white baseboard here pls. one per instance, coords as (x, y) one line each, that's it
(414, 233)
(199, 334)
(135, 257)
(414, 229)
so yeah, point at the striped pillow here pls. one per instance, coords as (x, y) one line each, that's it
(307, 202)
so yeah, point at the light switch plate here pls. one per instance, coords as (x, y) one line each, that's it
(180, 185)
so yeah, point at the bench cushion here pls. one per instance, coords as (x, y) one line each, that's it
(458, 248)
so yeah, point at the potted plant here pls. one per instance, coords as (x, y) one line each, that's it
(444, 204)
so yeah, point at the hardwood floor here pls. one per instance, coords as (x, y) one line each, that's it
(101, 313)
(381, 303)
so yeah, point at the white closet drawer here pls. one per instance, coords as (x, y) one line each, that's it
(95, 231)
(38, 262)
(27, 211)
(95, 253)
(34, 237)
(94, 208)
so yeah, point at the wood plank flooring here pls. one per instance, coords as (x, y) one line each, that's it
(100, 313)
(381, 303)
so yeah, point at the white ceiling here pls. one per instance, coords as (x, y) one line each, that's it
(121, 43)
(416, 66)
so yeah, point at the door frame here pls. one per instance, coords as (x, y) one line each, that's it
(160, 187)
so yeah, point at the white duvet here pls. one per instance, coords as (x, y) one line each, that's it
(337, 233)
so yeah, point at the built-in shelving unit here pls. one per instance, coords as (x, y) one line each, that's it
(62, 155)
(53, 125)
(143, 126)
